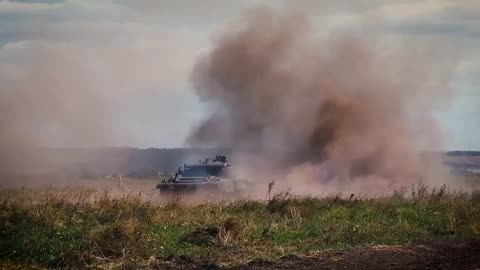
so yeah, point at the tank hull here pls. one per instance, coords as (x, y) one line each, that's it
(226, 190)
(209, 177)
(188, 187)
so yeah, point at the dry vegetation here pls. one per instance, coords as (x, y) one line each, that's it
(78, 227)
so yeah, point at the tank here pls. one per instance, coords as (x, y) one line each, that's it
(211, 176)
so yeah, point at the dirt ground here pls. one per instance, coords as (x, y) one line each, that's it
(434, 255)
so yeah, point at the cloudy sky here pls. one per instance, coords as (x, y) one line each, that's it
(136, 56)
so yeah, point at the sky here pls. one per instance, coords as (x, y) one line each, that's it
(138, 55)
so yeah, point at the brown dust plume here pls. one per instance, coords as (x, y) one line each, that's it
(344, 113)
(51, 103)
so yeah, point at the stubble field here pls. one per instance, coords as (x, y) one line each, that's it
(123, 228)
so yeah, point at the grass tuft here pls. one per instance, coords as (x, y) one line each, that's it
(78, 228)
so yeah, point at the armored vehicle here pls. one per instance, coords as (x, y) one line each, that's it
(208, 175)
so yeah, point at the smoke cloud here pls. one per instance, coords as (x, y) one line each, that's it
(52, 101)
(347, 112)
(83, 94)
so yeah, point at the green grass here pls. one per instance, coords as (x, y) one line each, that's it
(76, 228)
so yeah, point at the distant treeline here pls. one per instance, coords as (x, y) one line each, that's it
(124, 161)
(463, 153)
(105, 161)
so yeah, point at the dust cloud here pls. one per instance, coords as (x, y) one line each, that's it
(346, 112)
(53, 102)
(67, 93)
(56, 103)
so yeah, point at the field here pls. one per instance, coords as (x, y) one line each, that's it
(74, 227)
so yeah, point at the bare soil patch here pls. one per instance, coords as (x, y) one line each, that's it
(434, 255)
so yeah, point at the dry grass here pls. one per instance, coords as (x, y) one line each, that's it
(80, 227)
